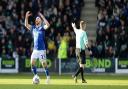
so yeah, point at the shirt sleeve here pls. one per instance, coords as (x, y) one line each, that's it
(75, 30)
(85, 39)
(44, 26)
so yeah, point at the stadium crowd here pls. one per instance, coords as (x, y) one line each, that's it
(112, 28)
(60, 13)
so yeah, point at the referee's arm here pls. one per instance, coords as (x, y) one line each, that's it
(74, 27)
(86, 43)
(85, 40)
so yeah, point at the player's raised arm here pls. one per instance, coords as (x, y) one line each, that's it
(47, 25)
(26, 20)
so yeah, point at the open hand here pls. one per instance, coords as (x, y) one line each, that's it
(73, 24)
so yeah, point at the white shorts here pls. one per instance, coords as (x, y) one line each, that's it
(38, 54)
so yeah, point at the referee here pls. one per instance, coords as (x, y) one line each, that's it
(81, 44)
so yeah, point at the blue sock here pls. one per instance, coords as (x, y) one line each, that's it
(47, 72)
(34, 70)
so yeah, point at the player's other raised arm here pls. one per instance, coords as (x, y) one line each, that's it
(27, 25)
(47, 25)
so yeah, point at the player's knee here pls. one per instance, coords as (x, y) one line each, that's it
(32, 62)
(44, 64)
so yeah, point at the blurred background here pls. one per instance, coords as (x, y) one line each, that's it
(107, 30)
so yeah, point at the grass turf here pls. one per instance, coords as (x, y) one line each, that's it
(24, 81)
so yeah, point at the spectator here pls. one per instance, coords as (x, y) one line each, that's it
(60, 13)
(112, 27)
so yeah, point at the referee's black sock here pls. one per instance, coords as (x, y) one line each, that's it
(77, 73)
(82, 73)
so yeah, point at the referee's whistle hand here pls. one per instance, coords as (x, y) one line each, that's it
(73, 24)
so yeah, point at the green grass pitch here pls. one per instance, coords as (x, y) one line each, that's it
(101, 81)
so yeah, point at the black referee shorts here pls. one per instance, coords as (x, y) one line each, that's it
(80, 55)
